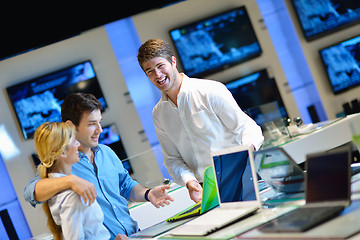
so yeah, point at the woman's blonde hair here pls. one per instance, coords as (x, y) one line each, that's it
(51, 140)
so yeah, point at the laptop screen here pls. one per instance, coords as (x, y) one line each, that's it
(328, 176)
(280, 177)
(234, 176)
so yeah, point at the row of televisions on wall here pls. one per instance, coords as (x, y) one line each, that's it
(220, 41)
(204, 46)
(39, 100)
(319, 18)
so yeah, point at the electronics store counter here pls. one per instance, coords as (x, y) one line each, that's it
(345, 226)
(147, 215)
(320, 137)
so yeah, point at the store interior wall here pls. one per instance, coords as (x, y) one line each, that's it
(332, 103)
(96, 45)
(93, 45)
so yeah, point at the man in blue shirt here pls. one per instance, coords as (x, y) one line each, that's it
(99, 173)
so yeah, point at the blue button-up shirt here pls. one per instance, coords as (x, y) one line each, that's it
(113, 185)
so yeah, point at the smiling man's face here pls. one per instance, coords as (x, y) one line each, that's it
(89, 129)
(161, 72)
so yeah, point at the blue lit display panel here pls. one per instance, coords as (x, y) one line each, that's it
(13, 224)
(7, 190)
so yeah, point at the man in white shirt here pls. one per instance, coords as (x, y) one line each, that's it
(193, 117)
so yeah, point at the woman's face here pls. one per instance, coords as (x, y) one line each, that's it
(71, 152)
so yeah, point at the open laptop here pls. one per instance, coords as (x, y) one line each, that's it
(209, 199)
(328, 192)
(281, 177)
(236, 181)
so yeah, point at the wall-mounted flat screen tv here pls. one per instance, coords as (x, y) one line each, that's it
(342, 64)
(321, 17)
(215, 43)
(111, 137)
(256, 89)
(39, 100)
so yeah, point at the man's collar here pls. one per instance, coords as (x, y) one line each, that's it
(94, 149)
(183, 87)
(184, 83)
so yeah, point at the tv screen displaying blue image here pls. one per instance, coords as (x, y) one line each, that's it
(320, 17)
(111, 137)
(256, 89)
(342, 64)
(215, 43)
(39, 100)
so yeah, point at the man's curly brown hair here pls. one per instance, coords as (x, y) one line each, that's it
(154, 48)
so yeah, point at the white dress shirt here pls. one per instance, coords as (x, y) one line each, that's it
(207, 119)
(77, 220)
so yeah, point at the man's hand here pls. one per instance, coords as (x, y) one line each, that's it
(84, 188)
(195, 190)
(46, 188)
(121, 237)
(159, 197)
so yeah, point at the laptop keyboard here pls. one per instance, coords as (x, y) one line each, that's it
(195, 207)
(302, 219)
(191, 212)
(221, 216)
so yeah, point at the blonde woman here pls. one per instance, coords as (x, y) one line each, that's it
(68, 216)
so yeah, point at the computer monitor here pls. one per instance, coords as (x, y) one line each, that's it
(233, 172)
(328, 175)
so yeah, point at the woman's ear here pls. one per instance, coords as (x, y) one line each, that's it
(63, 155)
(70, 123)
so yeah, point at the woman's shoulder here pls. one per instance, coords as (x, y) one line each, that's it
(65, 198)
